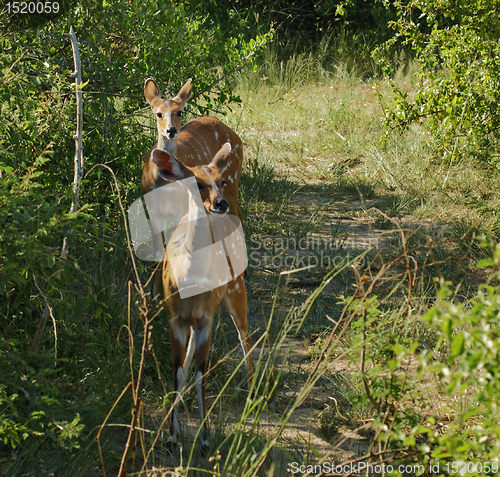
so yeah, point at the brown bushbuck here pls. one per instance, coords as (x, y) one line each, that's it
(210, 152)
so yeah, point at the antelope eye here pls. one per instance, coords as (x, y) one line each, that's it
(159, 115)
(179, 113)
(223, 183)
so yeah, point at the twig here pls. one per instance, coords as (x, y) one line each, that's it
(104, 424)
(275, 101)
(77, 175)
(340, 136)
(48, 311)
(147, 324)
(79, 121)
(12, 66)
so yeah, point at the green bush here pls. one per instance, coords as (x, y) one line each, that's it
(458, 97)
(470, 331)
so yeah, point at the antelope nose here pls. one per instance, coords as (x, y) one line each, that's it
(171, 132)
(221, 205)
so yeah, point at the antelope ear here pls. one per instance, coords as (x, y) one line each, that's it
(219, 161)
(185, 92)
(169, 168)
(151, 91)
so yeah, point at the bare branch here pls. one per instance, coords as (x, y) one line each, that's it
(77, 174)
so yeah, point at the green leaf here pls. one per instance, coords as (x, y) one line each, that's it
(50, 261)
(457, 346)
(486, 262)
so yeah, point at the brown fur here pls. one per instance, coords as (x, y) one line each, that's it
(197, 147)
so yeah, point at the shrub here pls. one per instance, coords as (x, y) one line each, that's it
(464, 359)
(456, 46)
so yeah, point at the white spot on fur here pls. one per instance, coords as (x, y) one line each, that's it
(179, 334)
(202, 336)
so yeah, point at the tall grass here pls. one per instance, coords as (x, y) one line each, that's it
(243, 442)
(286, 66)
